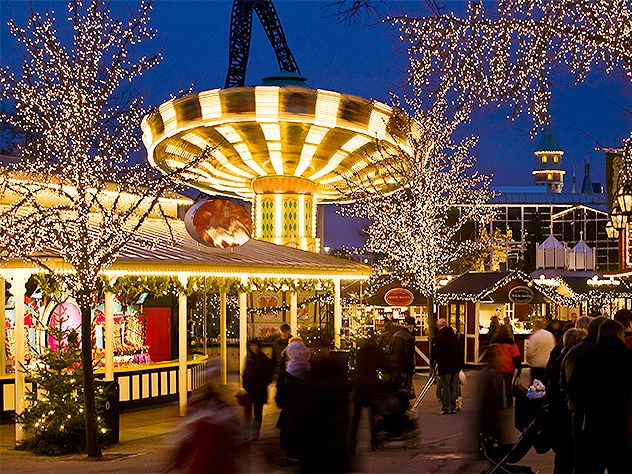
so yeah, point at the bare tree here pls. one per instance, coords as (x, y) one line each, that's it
(509, 51)
(74, 193)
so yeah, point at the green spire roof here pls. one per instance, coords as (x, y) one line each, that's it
(548, 142)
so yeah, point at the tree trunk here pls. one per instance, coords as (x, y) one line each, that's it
(432, 321)
(92, 439)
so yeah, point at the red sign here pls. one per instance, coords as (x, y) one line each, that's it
(218, 223)
(399, 297)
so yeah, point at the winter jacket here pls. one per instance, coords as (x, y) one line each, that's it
(445, 352)
(402, 352)
(257, 376)
(369, 360)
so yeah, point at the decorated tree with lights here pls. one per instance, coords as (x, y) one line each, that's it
(416, 223)
(55, 415)
(73, 192)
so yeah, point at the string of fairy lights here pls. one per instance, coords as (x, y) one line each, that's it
(508, 52)
(414, 230)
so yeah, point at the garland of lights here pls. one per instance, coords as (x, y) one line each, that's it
(326, 298)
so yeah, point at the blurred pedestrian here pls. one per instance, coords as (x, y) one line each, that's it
(288, 392)
(386, 337)
(278, 346)
(505, 361)
(624, 316)
(559, 422)
(323, 413)
(494, 324)
(402, 356)
(539, 347)
(370, 360)
(208, 439)
(601, 390)
(255, 380)
(445, 357)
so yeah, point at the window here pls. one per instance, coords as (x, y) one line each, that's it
(556, 158)
(544, 158)
(549, 176)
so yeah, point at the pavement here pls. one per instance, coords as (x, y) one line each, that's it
(447, 443)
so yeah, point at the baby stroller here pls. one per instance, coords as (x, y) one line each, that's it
(394, 421)
(531, 417)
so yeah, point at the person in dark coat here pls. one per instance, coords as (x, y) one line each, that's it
(278, 346)
(369, 360)
(255, 379)
(289, 391)
(600, 388)
(561, 434)
(402, 355)
(445, 357)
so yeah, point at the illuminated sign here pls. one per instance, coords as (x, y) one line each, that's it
(218, 223)
(399, 297)
(521, 295)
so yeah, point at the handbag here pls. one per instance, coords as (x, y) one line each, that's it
(243, 398)
(462, 378)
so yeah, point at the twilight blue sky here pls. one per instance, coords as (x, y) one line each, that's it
(364, 59)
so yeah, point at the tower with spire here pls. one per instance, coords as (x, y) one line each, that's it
(549, 169)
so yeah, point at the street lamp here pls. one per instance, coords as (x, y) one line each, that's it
(619, 220)
(624, 199)
(611, 232)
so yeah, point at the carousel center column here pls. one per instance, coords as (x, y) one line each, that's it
(18, 289)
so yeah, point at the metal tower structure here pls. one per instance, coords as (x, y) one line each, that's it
(240, 36)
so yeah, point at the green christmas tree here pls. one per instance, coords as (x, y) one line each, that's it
(54, 419)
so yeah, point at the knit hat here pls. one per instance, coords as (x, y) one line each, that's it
(296, 350)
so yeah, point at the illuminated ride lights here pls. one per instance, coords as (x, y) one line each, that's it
(285, 149)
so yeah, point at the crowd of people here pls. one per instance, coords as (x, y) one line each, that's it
(584, 366)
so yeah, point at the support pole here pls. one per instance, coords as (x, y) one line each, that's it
(337, 313)
(182, 348)
(243, 329)
(294, 313)
(223, 356)
(109, 336)
(18, 289)
(3, 334)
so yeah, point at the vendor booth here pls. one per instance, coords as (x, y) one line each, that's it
(369, 307)
(471, 301)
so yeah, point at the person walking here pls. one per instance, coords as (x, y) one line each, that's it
(278, 346)
(255, 380)
(402, 356)
(601, 391)
(504, 360)
(539, 347)
(444, 355)
(369, 360)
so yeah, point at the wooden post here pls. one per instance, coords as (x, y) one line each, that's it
(3, 335)
(109, 336)
(243, 330)
(223, 350)
(337, 313)
(182, 347)
(294, 313)
(18, 289)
